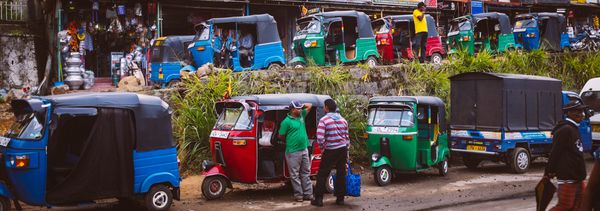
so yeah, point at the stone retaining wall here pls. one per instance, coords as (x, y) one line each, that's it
(18, 65)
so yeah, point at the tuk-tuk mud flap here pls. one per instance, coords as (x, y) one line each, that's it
(380, 162)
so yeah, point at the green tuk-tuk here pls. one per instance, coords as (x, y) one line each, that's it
(491, 32)
(334, 37)
(406, 134)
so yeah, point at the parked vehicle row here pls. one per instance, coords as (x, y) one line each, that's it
(75, 148)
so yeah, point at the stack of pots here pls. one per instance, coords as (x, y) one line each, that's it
(73, 71)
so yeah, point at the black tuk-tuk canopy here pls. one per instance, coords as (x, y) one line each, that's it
(152, 115)
(509, 102)
(266, 26)
(270, 102)
(178, 44)
(431, 24)
(365, 30)
(419, 100)
(505, 26)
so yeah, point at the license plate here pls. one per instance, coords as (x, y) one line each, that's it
(219, 134)
(161, 76)
(4, 141)
(476, 147)
(596, 128)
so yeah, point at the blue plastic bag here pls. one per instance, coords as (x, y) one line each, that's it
(352, 183)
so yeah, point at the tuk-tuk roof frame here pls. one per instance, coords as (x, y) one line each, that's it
(365, 30)
(503, 20)
(280, 100)
(419, 100)
(266, 26)
(152, 115)
(177, 43)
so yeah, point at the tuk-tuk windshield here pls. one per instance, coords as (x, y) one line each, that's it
(310, 26)
(27, 127)
(591, 99)
(380, 27)
(234, 118)
(527, 23)
(391, 117)
(463, 25)
(202, 32)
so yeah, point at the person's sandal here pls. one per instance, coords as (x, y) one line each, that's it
(299, 199)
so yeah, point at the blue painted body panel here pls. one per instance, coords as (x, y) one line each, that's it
(564, 41)
(170, 71)
(204, 56)
(153, 167)
(528, 43)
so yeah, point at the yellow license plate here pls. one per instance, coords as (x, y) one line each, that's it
(476, 147)
(596, 128)
(161, 76)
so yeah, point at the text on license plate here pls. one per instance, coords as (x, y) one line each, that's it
(161, 76)
(476, 147)
(596, 128)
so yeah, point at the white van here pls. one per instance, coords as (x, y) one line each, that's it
(590, 94)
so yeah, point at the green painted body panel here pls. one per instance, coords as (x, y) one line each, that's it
(506, 42)
(460, 44)
(381, 162)
(317, 54)
(365, 47)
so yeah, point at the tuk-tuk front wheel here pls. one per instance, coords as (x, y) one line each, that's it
(443, 167)
(4, 204)
(275, 66)
(383, 175)
(214, 187)
(372, 61)
(298, 65)
(159, 197)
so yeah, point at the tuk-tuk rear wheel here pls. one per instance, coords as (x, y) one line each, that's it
(214, 187)
(443, 167)
(298, 65)
(372, 61)
(4, 204)
(159, 197)
(330, 184)
(383, 175)
(436, 58)
(275, 66)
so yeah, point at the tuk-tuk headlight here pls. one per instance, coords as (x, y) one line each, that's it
(466, 38)
(310, 43)
(375, 157)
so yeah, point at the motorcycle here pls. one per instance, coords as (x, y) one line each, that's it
(587, 40)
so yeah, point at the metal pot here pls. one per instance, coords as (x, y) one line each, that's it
(73, 71)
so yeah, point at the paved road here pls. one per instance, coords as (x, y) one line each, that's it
(487, 188)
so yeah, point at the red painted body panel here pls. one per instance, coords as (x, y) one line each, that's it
(434, 45)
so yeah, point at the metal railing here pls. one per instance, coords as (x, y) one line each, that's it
(13, 10)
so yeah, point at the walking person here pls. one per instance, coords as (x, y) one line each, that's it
(333, 138)
(293, 131)
(591, 199)
(421, 33)
(566, 161)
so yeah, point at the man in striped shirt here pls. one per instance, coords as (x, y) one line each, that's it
(333, 138)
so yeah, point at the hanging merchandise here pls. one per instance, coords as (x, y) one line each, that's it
(110, 13)
(115, 26)
(152, 8)
(72, 31)
(95, 11)
(121, 10)
(138, 9)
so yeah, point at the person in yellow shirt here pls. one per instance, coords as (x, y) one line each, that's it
(421, 34)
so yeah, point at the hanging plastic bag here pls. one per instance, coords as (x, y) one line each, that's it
(138, 9)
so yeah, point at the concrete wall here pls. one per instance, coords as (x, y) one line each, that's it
(18, 65)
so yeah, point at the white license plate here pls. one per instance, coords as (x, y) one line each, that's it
(385, 129)
(219, 134)
(452, 33)
(4, 141)
(520, 30)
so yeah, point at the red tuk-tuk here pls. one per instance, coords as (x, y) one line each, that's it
(394, 39)
(244, 142)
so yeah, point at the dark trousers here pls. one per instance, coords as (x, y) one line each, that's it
(330, 158)
(420, 44)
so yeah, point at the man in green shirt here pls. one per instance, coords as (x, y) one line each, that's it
(293, 131)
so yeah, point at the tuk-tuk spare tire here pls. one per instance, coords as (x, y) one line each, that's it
(159, 197)
(4, 204)
(383, 175)
(214, 187)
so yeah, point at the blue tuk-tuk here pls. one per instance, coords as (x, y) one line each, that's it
(239, 43)
(76, 148)
(546, 31)
(169, 56)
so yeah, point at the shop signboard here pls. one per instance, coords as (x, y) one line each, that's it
(476, 7)
(592, 1)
